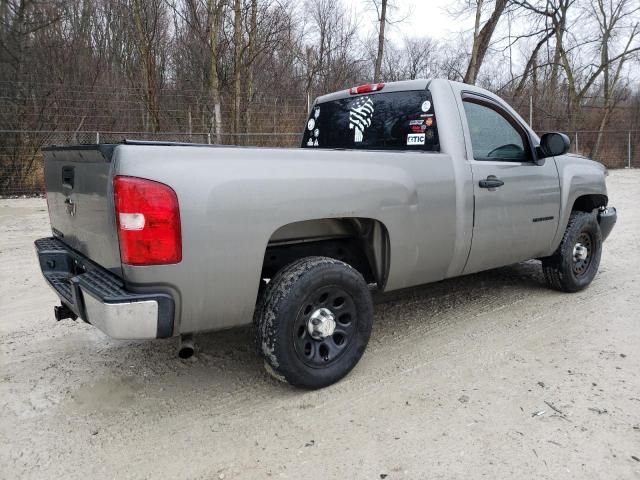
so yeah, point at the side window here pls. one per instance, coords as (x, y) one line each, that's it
(493, 136)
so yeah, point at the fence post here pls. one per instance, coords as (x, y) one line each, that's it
(97, 137)
(275, 116)
(577, 144)
(629, 151)
(209, 138)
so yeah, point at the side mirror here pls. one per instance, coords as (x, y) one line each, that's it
(554, 144)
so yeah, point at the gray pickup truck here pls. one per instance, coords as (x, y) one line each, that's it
(395, 185)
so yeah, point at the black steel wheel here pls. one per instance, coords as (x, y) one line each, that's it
(582, 254)
(314, 322)
(325, 326)
(575, 263)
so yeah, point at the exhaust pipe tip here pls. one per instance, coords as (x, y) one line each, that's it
(186, 351)
(187, 348)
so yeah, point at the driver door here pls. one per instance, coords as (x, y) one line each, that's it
(516, 200)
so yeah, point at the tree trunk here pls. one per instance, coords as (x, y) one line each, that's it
(382, 21)
(609, 84)
(237, 65)
(253, 30)
(482, 39)
(214, 10)
(559, 61)
(553, 81)
(148, 67)
(606, 87)
(530, 68)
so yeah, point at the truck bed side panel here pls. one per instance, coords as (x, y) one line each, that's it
(233, 199)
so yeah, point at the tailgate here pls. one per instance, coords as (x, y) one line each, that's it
(78, 181)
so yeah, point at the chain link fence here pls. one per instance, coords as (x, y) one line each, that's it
(615, 149)
(21, 160)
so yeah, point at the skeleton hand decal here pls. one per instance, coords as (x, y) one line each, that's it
(360, 117)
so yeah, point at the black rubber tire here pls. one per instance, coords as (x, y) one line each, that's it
(559, 268)
(293, 288)
(256, 336)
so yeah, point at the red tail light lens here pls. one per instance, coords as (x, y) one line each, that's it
(148, 218)
(368, 88)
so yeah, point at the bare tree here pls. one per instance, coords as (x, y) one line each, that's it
(582, 77)
(214, 16)
(150, 23)
(421, 56)
(381, 9)
(199, 65)
(549, 21)
(482, 37)
(198, 36)
(415, 58)
(328, 60)
(252, 48)
(24, 25)
(609, 17)
(237, 64)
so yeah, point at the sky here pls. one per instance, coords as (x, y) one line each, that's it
(430, 18)
(423, 18)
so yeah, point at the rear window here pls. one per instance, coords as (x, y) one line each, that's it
(381, 121)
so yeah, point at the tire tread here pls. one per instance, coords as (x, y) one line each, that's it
(267, 318)
(556, 267)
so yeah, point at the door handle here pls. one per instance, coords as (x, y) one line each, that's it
(491, 182)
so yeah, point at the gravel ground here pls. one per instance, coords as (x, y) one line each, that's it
(487, 376)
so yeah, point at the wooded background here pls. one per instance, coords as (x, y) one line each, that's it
(243, 71)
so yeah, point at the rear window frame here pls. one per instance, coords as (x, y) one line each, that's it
(429, 146)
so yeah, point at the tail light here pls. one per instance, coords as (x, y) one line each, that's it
(368, 88)
(148, 218)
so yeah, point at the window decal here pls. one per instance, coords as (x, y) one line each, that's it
(360, 117)
(376, 121)
(415, 139)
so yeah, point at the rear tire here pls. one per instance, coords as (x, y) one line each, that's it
(575, 263)
(314, 321)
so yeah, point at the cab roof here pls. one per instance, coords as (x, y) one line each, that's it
(388, 87)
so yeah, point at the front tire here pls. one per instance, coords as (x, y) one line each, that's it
(575, 263)
(314, 321)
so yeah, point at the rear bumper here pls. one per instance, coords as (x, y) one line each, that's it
(99, 297)
(607, 218)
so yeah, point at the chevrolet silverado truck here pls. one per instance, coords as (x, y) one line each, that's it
(395, 185)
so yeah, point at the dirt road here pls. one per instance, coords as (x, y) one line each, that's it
(487, 376)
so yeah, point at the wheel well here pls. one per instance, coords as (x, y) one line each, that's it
(363, 243)
(588, 203)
